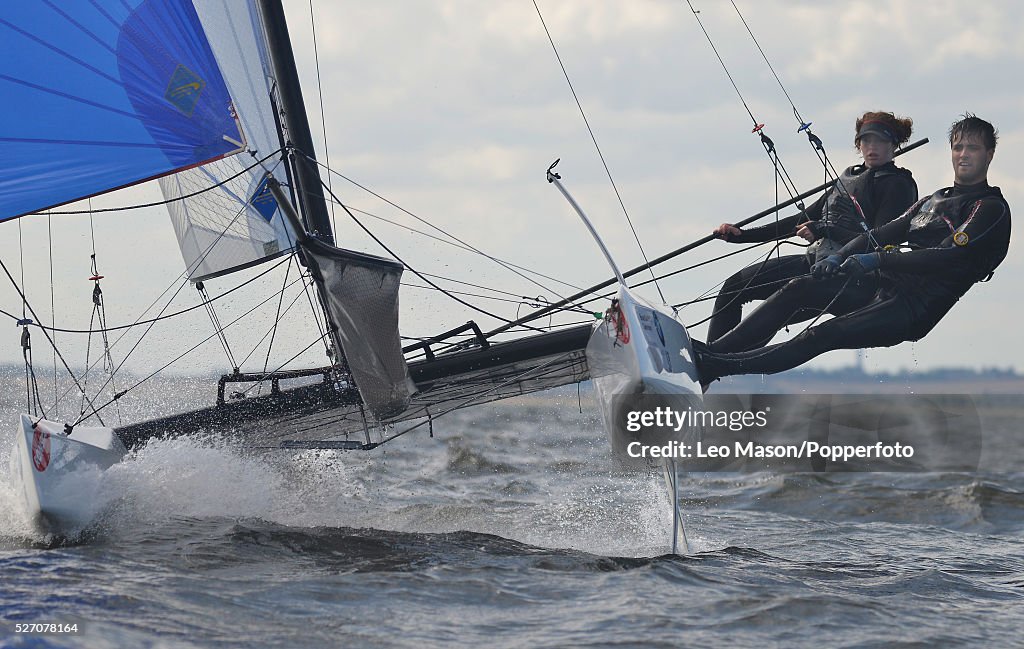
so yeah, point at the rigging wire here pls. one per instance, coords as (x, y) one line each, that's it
(25, 321)
(168, 316)
(168, 201)
(183, 354)
(31, 384)
(25, 336)
(280, 300)
(507, 265)
(320, 95)
(816, 144)
(98, 310)
(460, 246)
(414, 271)
(534, 302)
(306, 281)
(219, 330)
(519, 298)
(29, 309)
(593, 137)
(766, 142)
(259, 381)
(804, 126)
(53, 307)
(181, 275)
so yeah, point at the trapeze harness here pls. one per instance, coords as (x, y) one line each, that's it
(840, 223)
(836, 224)
(957, 237)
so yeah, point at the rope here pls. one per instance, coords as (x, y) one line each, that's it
(320, 95)
(593, 138)
(766, 142)
(508, 266)
(179, 357)
(414, 271)
(28, 307)
(216, 324)
(168, 316)
(172, 200)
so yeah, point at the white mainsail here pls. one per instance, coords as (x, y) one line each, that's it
(237, 224)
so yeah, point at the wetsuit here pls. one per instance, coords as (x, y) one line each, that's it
(883, 193)
(957, 237)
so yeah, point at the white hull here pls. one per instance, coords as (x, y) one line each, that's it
(640, 358)
(59, 476)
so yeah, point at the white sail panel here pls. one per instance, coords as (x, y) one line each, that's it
(236, 224)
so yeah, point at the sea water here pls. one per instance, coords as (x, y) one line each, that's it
(511, 527)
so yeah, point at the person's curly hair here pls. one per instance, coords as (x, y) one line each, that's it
(900, 127)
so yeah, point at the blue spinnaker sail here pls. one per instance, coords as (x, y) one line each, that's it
(101, 94)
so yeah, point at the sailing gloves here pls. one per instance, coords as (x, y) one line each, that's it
(860, 264)
(827, 267)
(852, 265)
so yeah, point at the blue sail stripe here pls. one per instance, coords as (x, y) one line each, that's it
(80, 27)
(60, 51)
(66, 95)
(103, 12)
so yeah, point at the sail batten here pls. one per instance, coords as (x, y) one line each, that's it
(103, 95)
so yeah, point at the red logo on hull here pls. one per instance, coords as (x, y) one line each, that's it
(40, 449)
(619, 322)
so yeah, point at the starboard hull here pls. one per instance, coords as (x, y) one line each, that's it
(640, 359)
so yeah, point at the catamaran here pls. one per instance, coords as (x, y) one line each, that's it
(204, 98)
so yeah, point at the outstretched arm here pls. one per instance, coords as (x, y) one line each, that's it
(783, 228)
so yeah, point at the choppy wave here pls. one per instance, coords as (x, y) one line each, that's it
(512, 529)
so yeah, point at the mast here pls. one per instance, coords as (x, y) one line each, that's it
(309, 191)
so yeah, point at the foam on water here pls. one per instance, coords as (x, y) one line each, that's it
(547, 483)
(14, 523)
(597, 512)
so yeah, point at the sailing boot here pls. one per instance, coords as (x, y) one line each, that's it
(703, 359)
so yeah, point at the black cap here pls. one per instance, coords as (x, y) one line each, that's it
(877, 128)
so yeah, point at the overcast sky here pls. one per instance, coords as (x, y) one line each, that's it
(454, 110)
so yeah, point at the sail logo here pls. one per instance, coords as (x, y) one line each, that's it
(263, 201)
(184, 89)
(40, 450)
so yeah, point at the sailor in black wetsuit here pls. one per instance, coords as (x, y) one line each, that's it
(883, 191)
(957, 236)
